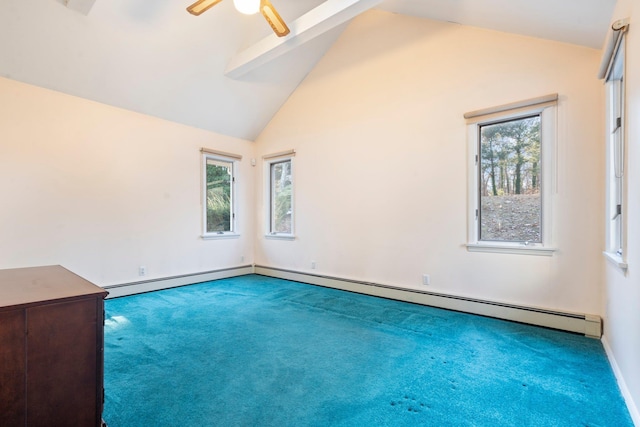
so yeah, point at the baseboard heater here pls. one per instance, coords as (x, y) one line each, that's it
(124, 289)
(587, 324)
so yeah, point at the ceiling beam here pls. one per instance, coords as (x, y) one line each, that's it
(82, 6)
(312, 24)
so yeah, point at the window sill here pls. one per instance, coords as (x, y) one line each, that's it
(215, 236)
(510, 249)
(616, 260)
(280, 236)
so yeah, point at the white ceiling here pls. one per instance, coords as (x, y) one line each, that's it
(152, 57)
(582, 22)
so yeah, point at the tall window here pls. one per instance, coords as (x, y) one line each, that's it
(279, 191)
(615, 86)
(219, 194)
(512, 153)
(281, 197)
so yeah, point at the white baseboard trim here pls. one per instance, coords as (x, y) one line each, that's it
(589, 325)
(622, 384)
(132, 288)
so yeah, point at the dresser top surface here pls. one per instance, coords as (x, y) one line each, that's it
(24, 286)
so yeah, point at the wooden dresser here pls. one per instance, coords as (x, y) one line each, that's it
(51, 348)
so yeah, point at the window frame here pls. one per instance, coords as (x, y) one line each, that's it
(548, 154)
(616, 147)
(269, 161)
(233, 160)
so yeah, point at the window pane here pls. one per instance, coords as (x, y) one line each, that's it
(510, 172)
(219, 178)
(281, 196)
(615, 182)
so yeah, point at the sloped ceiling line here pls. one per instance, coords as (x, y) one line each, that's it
(312, 24)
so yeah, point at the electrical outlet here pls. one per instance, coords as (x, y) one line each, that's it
(313, 265)
(242, 258)
(142, 270)
(426, 280)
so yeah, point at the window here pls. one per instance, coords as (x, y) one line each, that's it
(511, 180)
(615, 214)
(219, 194)
(510, 206)
(281, 197)
(279, 192)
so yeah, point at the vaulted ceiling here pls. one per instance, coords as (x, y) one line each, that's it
(224, 71)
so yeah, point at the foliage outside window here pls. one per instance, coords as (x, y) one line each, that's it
(511, 178)
(279, 170)
(510, 171)
(219, 194)
(281, 197)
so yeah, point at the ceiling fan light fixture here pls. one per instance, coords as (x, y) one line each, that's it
(248, 7)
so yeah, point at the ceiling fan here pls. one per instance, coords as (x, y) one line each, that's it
(248, 7)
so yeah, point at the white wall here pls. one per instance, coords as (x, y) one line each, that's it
(381, 179)
(622, 291)
(102, 190)
(380, 176)
(155, 58)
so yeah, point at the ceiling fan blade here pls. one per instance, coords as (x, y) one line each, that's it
(273, 18)
(202, 6)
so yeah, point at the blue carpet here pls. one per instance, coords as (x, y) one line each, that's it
(258, 351)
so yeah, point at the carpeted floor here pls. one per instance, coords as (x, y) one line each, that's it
(258, 351)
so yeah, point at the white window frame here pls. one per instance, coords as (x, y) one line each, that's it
(616, 182)
(233, 160)
(269, 160)
(548, 153)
